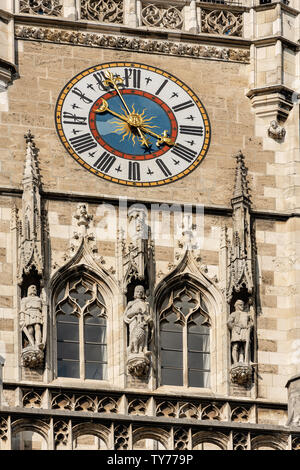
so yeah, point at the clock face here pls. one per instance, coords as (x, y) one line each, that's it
(132, 124)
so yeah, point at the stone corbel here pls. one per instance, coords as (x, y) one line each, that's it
(274, 102)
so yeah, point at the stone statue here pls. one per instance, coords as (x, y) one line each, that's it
(240, 323)
(138, 318)
(276, 131)
(32, 320)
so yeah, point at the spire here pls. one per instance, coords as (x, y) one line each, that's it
(240, 247)
(31, 171)
(241, 188)
(31, 233)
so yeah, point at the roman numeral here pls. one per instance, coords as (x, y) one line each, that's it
(105, 162)
(70, 118)
(134, 75)
(100, 77)
(83, 142)
(161, 87)
(163, 167)
(185, 105)
(183, 152)
(134, 171)
(192, 130)
(81, 95)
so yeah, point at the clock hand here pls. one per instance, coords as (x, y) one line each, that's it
(111, 80)
(162, 139)
(133, 120)
(129, 119)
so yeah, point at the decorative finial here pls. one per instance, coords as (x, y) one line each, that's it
(29, 138)
(241, 183)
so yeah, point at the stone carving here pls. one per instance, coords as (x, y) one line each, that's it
(211, 412)
(30, 246)
(240, 415)
(33, 318)
(61, 433)
(237, 262)
(295, 442)
(240, 324)
(276, 131)
(166, 409)
(85, 403)
(107, 405)
(162, 17)
(181, 439)
(121, 437)
(137, 251)
(41, 7)
(3, 429)
(137, 316)
(222, 22)
(188, 410)
(241, 251)
(240, 441)
(32, 400)
(61, 402)
(137, 407)
(182, 49)
(107, 11)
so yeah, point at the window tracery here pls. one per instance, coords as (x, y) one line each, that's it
(81, 330)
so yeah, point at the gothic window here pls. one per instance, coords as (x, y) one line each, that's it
(185, 340)
(81, 330)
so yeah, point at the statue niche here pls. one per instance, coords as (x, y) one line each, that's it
(33, 326)
(138, 318)
(240, 324)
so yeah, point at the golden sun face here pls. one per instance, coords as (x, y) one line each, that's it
(128, 129)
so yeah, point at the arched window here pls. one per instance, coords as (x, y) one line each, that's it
(185, 340)
(81, 330)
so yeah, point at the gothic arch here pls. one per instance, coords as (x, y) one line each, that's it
(275, 442)
(33, 425)
(158, 434)
(217, 438)
(83, 265)
(94, 429)
(187, 273)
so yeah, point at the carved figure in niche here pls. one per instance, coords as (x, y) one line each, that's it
(240, 323)
(31, 317)
(138, 317)
(276, 131)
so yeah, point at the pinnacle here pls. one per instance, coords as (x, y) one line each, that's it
(241, 188)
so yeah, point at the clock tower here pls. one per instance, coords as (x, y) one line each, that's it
(149, 201)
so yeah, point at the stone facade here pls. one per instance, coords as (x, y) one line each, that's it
(61, 230)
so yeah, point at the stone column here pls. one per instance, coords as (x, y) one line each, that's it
(293, 386)
(2, 361)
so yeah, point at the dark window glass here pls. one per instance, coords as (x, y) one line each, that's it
(67, 331)
(95, 352)
(198, 342)
(170, 324)
(95, 371)
(198, 378)
(198, 360)
(171, 340)
(68, 369)
(171, 376)
(67, 350)
(171, 358)
(94, 334)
